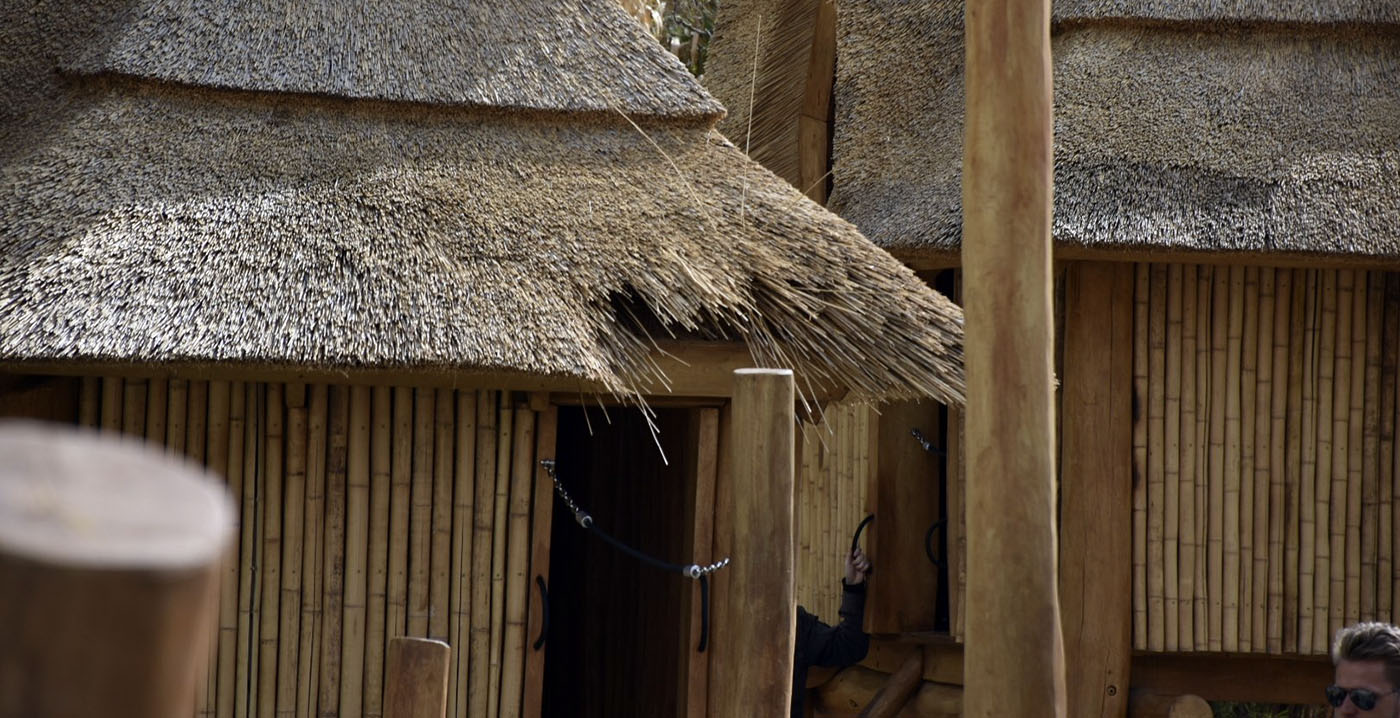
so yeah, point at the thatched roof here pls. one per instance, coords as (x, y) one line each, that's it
(237, 212)
(1245, 126)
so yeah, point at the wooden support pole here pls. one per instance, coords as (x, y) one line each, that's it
(109, 570)
(896, 692)
(1014, 658)
(753, 648)
(416, 681)
(1097, 481)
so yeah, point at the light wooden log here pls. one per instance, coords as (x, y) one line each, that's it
(701, 466)
(756, 677)
(1341, 453)
(109, 567)
(376, 592)
(483, 524)
(1248, 378)
(1147, 705)
(1219, 369)
(333, 561)
(90, 402)
(897, 690)
(400, 512)
(1356, 450)
(1096, 495)
(440, 570)
(1230, 581)
(1371, 451)
(1309, 322)
(1262, 415)
(1200, 613)
(416, 679)
(1390, 360)
(1326, 374)
(293, 529)
(1186, 463)
(856, 685)
(1170, 448)
(463, 504)
(353, 620)
(1292, 285)
(313, 552)
(270, 560)
(517, 597)
(420, 521)
(176, 407)
(219, 453)
(500, 514)
(242, 462)
(1014, 656)
(157, 403)
(1141, 311)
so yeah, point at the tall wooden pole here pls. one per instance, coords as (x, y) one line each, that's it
(753, 644)
(1014, 661)
(109, 572)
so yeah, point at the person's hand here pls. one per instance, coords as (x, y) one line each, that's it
(857, 565)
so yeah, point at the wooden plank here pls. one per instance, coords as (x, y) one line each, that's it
(957, 524)
(333, 561)
(542, 518)
(1141, 311)
(376, 593)
(500, 515)
(756, 679)
(1241, 678)
(416, 679)
(700, 516)
(483, 524)
(1249, 379)
(293, 528)
(420, 520)
(313, 555)
(353, 621)
(463, 503)
(439, 588)
(814, 123)
(906, 484)
(522, 478)
(1096, 501)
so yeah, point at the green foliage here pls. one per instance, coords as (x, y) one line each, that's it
(686, 30)
(1225, 709)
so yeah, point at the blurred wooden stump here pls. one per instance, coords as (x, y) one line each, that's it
(416, 681)
(109, 556)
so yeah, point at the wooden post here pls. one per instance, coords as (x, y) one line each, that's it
(1015, 658)
(416, 681)
(892, 696)
(752, 662)
(110, 555)
(1097, 481)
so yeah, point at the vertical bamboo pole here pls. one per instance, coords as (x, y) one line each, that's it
(293, 527)
(1308, 323)
(1326, 373)
(1296, 283)
(1186, 461)
(197, 433)
(1390, 360)
(1156, 459)
(401, 508)
(1249, 378)
(755, 677)
(1283, 545)
(1014, 661)
(90, 402)
(352, 627)
(420, 523)
(439, 588)
(1141, 311)
(380, 482)
(522, 475)
(1231, 579)
(313, 552)
(1371, 436)
(176, 408)
(1220, 326)
(498, 553)
(111, 410)
(241, 444)
(219, 454)
(1356, 450)
(1341, 451)
(464, 502)
(1171, 447)
(134, 407)
(271, 558)
(483, 529)
(1200, 614)
(157, 402)
(333, 562)
(1263, 396)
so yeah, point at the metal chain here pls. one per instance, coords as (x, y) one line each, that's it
(694, 571)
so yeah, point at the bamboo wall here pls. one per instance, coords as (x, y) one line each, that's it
(835, 463)
(1264, 456)
(365, 514)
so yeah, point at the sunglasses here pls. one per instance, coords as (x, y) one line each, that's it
(1363, 698)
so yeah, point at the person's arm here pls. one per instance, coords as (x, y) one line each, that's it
(847, 642)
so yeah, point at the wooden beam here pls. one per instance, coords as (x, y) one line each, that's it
(1242, 678)
(814, 123)
(1014, 656)
(753, 650)
(110, 555)
(920, 259)
(896, 692)
(1096, 484)
(905, 490)
(415, 681)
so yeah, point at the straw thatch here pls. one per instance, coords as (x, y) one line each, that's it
(1283, 11)
(1185, 135)
(149, 221)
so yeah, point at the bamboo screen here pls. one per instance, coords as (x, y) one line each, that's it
(1265, 429)
(834, 467)
(365, 514)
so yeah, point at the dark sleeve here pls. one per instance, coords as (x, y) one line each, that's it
(845, 643)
